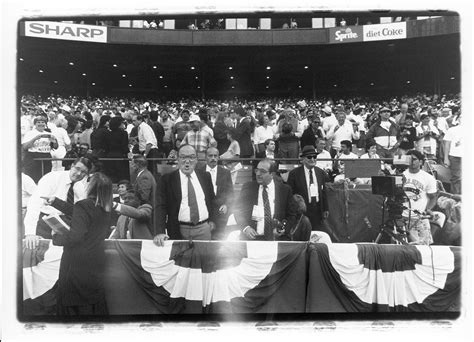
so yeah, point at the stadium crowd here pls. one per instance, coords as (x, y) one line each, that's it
(126, 138)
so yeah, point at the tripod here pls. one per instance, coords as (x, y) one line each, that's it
(394, 227)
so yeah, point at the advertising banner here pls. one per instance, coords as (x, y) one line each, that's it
(349, 34)
(57, 30)
(385, 31)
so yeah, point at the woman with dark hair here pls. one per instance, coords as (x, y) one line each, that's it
(99, 138)
(80, 284)
(117, 142)
(220, 132)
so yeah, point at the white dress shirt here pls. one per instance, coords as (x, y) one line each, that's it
(146, 136)
(184, 211)
(271, 200)
(55, 183)
(315, 182)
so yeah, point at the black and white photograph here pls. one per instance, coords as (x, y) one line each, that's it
(213, 169)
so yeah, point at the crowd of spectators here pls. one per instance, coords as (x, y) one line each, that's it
(119, 134)
(346, 128)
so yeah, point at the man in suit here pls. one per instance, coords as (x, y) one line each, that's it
(243, 134)
(134, 221)
(223, 188)
(145, 184)
(261, 202)
(308, 181)
(185, 201)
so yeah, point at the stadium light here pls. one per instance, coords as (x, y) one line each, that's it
(266, 87)
(161, 76)
(199, 87)
(124, 75)
(56, 82)
(372, 83)
(84, 74)
(306, 67)
(196, 77)
(192, 68)
(93, 83)
(233, 87)
(115, 65)
(453, 78)
(41, 71)
(21, 59)
(299, 86)
(129, 85)
(268, 77)
(268, 67)
(335, 85)
(154, 66)
(166, 86)
(71, 63)
(231, 77)
(230, 68)
(408, 82)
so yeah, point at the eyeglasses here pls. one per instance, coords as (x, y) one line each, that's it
(187, 158)
(262, 171)
(311, 157)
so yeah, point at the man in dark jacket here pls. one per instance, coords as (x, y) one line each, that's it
(185, 202)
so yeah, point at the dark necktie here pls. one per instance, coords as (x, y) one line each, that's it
(311, 181)
(192, 202)
(70, 194)
(267, 226)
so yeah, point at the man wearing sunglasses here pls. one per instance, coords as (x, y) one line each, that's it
(308, 181)
(263, 204)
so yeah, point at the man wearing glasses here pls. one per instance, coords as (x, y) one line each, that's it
(185, 202)
(262, 204)
(308, 181)
(69, 186)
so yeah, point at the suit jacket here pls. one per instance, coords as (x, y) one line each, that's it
(243, 134)
(168, 202)
(136, 220)
(225, 187)
(249, 197)
(297, 182)
(145, 187)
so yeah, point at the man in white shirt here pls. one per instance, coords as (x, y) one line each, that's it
(343, 130)
(223, 188)
(325, 165)
(261, 203)
(452, 155)
(185, 203)
(420, 188)
(147, 143)
(68, 186)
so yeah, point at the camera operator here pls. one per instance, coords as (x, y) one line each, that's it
(420, 188)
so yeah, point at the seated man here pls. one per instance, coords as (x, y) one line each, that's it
(263, 204)
(134, 221)
(344, 153)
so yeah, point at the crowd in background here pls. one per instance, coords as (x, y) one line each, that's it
(338, 128)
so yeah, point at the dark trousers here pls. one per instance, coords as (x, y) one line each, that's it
(36, 168)
(313, 212)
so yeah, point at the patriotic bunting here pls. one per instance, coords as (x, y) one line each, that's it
(368, 277)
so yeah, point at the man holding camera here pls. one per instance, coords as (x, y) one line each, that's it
(263, 204)
(420, 188)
